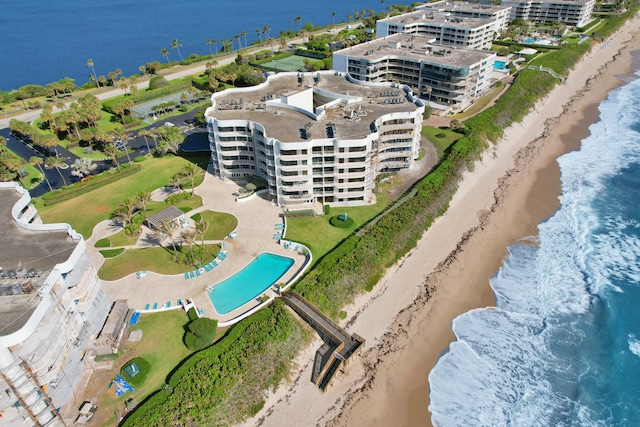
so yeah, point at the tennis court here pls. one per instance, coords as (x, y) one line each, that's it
(290, 63)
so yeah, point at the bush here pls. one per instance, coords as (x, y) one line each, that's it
(144, 368)
(140, 159)
(204, 327)
(441, 135)
(193, 314)
(178, 197)
(157, 82)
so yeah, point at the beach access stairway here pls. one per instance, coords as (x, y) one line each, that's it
(338, 345)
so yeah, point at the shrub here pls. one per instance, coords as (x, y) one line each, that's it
(178, 197)
(204, 327)
(193, 314)
(157, 82)
(140, 159)
(103, 243)
(441, 135)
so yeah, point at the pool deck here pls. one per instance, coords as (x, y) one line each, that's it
(256, 226)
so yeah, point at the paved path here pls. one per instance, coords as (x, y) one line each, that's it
(256, 225)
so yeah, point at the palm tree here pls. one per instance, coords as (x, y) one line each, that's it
(201, 227)
(111, 150)
(297, 21)
(175, 44)
(57, 162)
(333, 15)
(190, 236)
(266, 30)
(143, 197)
(125, 212)
(428, 89)
(168, 227)
(244, 34)
(165, 53)
(237, 37)
(209, 43)
(190, 173)
(259, 32)
(144, 133)
(93, 70)
(119, 134)
(37, 161)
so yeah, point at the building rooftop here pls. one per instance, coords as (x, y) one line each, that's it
(350, 108)
(437, 18)
(26, 259)
(418, 48)
(462, 6)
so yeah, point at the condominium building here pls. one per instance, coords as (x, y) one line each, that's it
(445, 28)
(51, 305)
(461, 9)
(314, 138)
(569, 12)
(452, 78)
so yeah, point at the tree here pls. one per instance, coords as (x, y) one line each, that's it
(427, 89)
(175, 44)
(297, 21)
(333, 15)
(165, 53)
(215, 43)
(125, 212)
(190, 236)
(121, 107)
(119, 134)
(191, 173)
(244, 34)
(15, 164)
(111, 150)
(93, 70)
(82, 167)
(237, 37)
(209, 43)
(266, 30)
(143, 197)
(168, 227)
(58, 163)
(145, 133)
(201, 227)
(259, 32)
(38, 162)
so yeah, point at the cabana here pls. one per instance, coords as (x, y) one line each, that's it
(169, 214)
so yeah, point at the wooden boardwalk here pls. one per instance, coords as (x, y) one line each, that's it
(338, 345)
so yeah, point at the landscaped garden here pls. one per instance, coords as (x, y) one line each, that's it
(220, 224)
(85, 211)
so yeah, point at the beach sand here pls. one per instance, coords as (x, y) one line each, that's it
(406, 319)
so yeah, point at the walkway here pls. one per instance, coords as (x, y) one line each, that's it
(339, 345)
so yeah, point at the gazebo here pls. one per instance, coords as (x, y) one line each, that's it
(169, 214)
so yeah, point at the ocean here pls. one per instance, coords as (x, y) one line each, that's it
(43, 41)
(562, 347)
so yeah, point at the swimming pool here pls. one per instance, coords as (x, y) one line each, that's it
(249, 282)
(529, 41)
(499, 65)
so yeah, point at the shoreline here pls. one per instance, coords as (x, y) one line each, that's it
(406, 318)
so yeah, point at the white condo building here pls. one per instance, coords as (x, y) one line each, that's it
(448, 77)
(51, 306)
(569, 12)
(314, 138)
(454, 28)
(461, 9)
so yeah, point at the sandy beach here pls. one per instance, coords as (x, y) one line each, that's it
(406, 319)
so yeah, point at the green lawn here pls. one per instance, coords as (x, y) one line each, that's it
(441, 144)
(159, 260)
(85, 211)
(320, 237)
(220, 224)
(161, 346)
(480, 104)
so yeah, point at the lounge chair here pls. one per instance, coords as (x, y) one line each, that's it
(146, 307)
(155, 305)
(168, 304)
(191, 275)
(198, 273)
(186, 275)
(215, 263)
(179, 301)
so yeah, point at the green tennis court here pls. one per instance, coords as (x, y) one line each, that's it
(290, 63)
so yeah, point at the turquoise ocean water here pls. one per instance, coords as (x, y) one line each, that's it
(43, 41)
(562, 348)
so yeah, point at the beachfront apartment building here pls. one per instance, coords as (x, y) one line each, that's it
(446, 27)
(575, 13)
(314, 138)
(499, 14)
(448, 78)
(51, 306)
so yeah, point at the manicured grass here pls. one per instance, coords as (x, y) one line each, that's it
(320, 237)
(441, 144)
(220, 224)
(110, 253)
(85, 211)
(480, 104)
(159, 260)
(121, 238)
(161, 345)
(143, 367)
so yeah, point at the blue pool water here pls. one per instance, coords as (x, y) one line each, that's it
(499, 65)
(529, 40)
(249, 282)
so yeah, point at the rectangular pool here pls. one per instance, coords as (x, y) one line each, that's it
(248, 283)
(499, 65)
